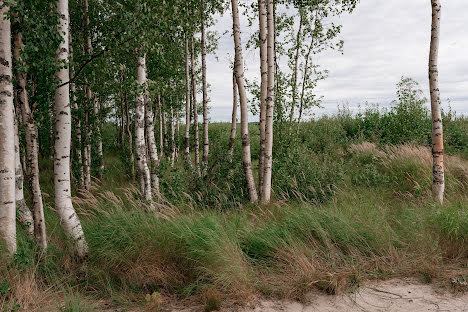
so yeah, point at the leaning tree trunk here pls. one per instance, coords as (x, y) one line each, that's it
(32, 149)
(239, 71)
(140, 142)
(152, 149)
(63, 203)
(24, 214)
(263, 89)
(270, 100)
(232, 137)
(206, 142)
(195, 108)
(438, 185)
(187, 104)
(7, 138)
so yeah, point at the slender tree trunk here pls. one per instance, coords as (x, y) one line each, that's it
(438, 185)
(195, 108)
(206, 142)
(262, 13)
(178, 136)
(164, 124)
(232, 137)
(296, 65)
(239, 70)
(130, 136)
(270, 100)
(140, 140)
(7, 138)
(173, 146)
(63, 203)
(97, 131)
(24, 214)
(160, 122)
(187, 104)
(304, 81)
(76, 119)
(152, 149)
(32, 150)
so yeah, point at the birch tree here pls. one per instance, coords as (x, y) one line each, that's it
(239, 72)
(150, 138)
(262, 14)
(62, 186)
(438, 185)
(206, 142)
(187, 103)
(232, 137)
(194, 106)
(32, 151)
(140, 141)
(7, 137)
(270, 100)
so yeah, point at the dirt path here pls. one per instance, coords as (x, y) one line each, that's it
(392, 295)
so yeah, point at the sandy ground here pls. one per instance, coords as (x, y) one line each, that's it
(392, 295)
(397, 295)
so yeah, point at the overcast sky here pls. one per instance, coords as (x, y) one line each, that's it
(384, 40)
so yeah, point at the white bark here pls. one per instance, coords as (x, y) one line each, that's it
(63, 203)
(173, 145)
(140, 141)
(161, 132)
(7, 138)
(24, 214)
(187, 104)
(438, 185)
(270, 100)
(89, 98)
(76, 119)
(239, 71)
(152, 149)
(195, 108)
(262, 15)
(206, 140)
(232, 137)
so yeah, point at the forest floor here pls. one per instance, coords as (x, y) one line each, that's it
(392, 295)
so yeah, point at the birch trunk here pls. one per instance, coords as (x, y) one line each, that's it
(161, 133)
(130, 136)
(194, 107)
(140, 142)
(76, 119)
(232, 137)
(97, 131)
(270, 100)
(89, 98)
(262, 15)
(438, 185)
(239, 72)
(304, 80)
(206, 142)
(7, 138)
(152, 149)
(187, 104)
(173, 146)
(32, 150)
(63, 203)
(296, 65)
(24, 214)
